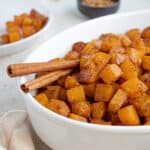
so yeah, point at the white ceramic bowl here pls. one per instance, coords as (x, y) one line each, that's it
(62, 133)
(9, 8)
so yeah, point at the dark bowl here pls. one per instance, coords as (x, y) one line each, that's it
(94, 12)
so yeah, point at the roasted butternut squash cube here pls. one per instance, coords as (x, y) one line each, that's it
(147, 42)
(146, 79)
(63, 94)
(134, 56)
(100, 122)
(59, 107)
(77, 117)
(113, 117)
(53, 91)
(134, 87)
(27, 21)
(89, 90)
(128, 69)
(110, 73)
(146, 62)
(146, 33)
(142, 104)
(72, 55)
(129, 116)
(125, 40)
(81, 108)
(28, 30)
(18, 20)
(97, 43)
(71, 82)
(104, 92)
(101, 59)
(117, 58)
(5, 38)
(76, 94)
(98, 110)
(138, 44)
(12, 27)
(88, 76)
(37, 24)
(89, 49)
(134, 34)
(78, 46)
(119, 50)
(14, 36)
(109, 41)
(118, 100)
(42, 98)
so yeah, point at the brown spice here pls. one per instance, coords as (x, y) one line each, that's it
(98, 3)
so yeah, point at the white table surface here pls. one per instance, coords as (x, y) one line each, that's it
(65, 15)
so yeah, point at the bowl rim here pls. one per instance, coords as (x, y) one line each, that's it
(73, 123)
(25, 40)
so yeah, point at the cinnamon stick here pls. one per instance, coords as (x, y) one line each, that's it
(43, 80)
(29, 68)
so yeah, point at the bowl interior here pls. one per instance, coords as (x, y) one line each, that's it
(61, 43)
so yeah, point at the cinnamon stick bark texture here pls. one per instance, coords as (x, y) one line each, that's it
(29, 68)
(44, 80)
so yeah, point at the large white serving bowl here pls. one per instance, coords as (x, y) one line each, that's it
(62, 133)
(10, 8)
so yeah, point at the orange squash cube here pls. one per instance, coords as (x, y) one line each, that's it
(28, 30)
(129, 116)
(118, 100)
(128, 69)
(146, 33)
(27, 21)
(146, 62)
(76, 94)
(89, 90)
(5, 38)
(134, 87)
(111, 73)
(134, 34)
(71, 82)
(77, 117)
(104, 92)
(42, 98)
(72, 55)
(18, 20)
(98, 110)
(14, 36)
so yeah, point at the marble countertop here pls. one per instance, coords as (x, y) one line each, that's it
(65, 15)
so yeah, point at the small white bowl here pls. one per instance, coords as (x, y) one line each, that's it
(15, 7)
(62, 133)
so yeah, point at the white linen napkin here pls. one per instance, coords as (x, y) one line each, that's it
(15, 131)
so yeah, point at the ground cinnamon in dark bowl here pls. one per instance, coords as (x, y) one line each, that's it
(98, 3)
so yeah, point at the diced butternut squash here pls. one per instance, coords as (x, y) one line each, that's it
(119, 50)
(76, 94)
(28, 30)
(18, 20)
(111, 73)
(128, 69)
(14, 36)
(53, 92)
(118, 100)
(113, 117)
(78, 46)
(146, 33)
(101, 59)
(134, 34)
(77, 117)
(5, 38)
(104, 92)
(42, 99)
(125, 40)
(89, 90)
(129, 116)
(98, 109)
(146, 62)
(81, 108)
(27, 21)
(59, 107)
(71, 82)
(146, 79)
(142, 104)
(134, 56)
(134, 87)
(63, 94)
(117, 58)
(109, 41)
(138, 44)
